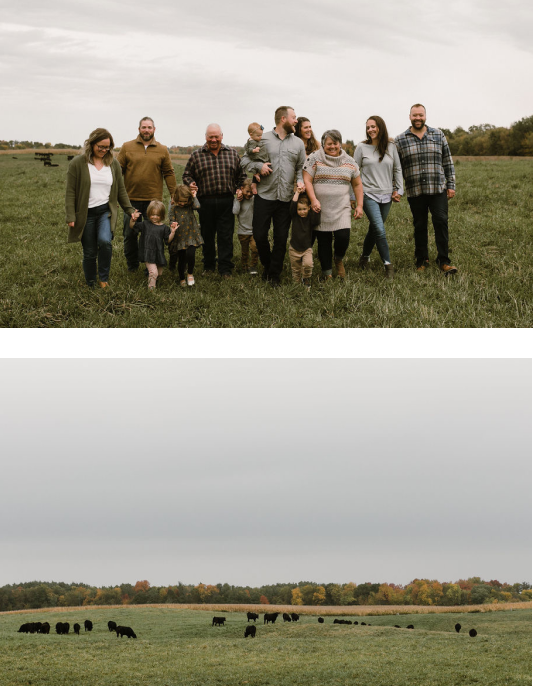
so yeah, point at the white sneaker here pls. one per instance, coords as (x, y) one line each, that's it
(190, 280)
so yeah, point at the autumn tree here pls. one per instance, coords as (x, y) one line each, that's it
(296, 597)
(264, 600)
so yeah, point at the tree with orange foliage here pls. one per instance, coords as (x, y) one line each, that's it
(264, 600)
(141, 586)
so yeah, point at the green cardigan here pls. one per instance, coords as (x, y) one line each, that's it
(77, 196)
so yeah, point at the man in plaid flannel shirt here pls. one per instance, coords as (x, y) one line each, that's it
(429, 174)
(214, 170)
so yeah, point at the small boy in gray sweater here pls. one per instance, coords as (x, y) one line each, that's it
(255, 148)
(243, 208)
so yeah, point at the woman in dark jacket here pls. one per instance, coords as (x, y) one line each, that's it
(94, 189)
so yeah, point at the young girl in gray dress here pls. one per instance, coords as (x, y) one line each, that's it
(183, 247)
(154, 235)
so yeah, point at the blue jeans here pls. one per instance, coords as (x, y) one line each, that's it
(96, 243)
(377, 214)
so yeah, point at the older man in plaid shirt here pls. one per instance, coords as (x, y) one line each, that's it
(215, 171)
(429, 182)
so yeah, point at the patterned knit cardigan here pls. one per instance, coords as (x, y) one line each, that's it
(332, 177)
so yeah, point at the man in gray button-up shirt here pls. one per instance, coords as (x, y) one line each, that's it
(274, 193)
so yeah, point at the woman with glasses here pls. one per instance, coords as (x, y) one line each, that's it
(94, 188)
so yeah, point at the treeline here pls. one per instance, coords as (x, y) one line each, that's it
(472, 591)
(36, 145)
(486, 139)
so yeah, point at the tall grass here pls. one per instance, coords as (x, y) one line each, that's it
(42, 284)
(325, 610)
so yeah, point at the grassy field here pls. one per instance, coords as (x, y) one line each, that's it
(42, 283)
(179, 646)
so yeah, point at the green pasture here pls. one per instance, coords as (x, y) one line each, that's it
(176, 646)
(41, 281)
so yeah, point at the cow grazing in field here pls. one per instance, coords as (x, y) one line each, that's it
(252, 615)
(337, 621)
(250, 631)
(472, 633)
(286, 617)
(125, 631)
(321, 620)
(396, 626)
(26, 628)
(112, 626)
(458, 628)
(88, 625)
(356, 622)
(76, 628)
(270, 617)
(218, 621)
(45, 628)
(410, 626)
(62, 628)
(295, 617)
(363, 623)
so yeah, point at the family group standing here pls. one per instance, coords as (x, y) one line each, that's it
(294, 179)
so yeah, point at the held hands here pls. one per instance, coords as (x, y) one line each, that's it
(193, 186)
(396, 197)
(136, 215)
(315, 205)
(71, 224)
(450, 193)
(239, 195)
(358, 212)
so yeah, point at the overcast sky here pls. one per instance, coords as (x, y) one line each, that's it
(264, 471)
(68, 66)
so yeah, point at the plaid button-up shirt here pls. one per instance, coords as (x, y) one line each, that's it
(427, 163)
(214, 174)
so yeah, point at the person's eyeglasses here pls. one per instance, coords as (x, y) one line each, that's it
(103, 147)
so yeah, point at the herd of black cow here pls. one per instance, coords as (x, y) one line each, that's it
(269, 618)
(64, 628)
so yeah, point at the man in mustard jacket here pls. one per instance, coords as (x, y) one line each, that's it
(145, 163)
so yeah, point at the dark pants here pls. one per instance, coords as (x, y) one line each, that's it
(185, 259)
(96, 244)
(278, 212)
(131, 240)
(217, 222)
(438, 206)
(341, 240)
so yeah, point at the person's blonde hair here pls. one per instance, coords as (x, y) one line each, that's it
(156, 207)
(95, 137)
(253, 127)
(183, 194)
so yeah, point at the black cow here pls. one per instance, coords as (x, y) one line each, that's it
(472, 633)
(356, 622)
(45, 628)
(458, 628)
(321, 620)
(125, 631)
(337, 621)
(363, 623)
(112, 626)
(252, 615)
(250, 631)
(88, 625)
(62, 628)
(410, 626)
(295, 617)
(270, 617)
(396, 626)
(76, 628)
(286, 617)
(218, 621)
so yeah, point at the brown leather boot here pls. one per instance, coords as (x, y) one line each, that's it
(339, 266)
(389, 271)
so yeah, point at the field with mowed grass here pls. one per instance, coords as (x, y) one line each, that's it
(179, 646)
(42, 285)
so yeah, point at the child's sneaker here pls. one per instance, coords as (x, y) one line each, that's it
(183, 283)
(253, 271)
(190, 280)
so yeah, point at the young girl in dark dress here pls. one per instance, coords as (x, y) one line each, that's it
(154, 235)
(183, 248)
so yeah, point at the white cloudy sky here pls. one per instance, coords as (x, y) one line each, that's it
(68, 66)
(259, 471)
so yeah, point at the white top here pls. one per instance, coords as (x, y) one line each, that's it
(101, 182)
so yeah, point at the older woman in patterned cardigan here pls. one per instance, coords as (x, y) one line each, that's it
(328, 174)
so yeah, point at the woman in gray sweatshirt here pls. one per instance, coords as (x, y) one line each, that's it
(381, 174)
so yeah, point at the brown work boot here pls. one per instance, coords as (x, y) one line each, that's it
(422, 266)
(339, 266)
(448, 269)
(389, 271)
(364, 262)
